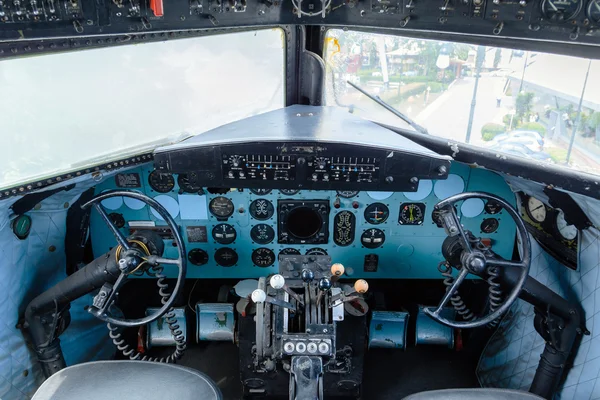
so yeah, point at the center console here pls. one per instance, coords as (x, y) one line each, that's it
(299, 328)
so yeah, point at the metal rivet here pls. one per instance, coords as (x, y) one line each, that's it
(52, 249)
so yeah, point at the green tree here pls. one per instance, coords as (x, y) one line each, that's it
(523, 105)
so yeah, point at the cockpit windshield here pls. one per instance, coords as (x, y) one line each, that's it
(539, 106)
(65, 111)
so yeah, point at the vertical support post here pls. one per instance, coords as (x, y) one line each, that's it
(578, 120)
(478, 63)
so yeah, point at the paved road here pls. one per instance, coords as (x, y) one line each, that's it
(448, 115)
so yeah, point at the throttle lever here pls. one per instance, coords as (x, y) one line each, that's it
(260, 296)
(277, 282)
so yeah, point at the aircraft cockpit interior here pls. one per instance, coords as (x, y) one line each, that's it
(300, 199)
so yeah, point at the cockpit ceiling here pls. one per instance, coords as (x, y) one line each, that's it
(76, 24)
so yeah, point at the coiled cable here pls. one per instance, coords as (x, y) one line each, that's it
(457, 301)
(170, 319)
(494, 291)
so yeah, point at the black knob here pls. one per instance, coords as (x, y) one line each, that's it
(307, 275)
(389, 179)
(325, 284)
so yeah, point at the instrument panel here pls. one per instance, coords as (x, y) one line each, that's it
(239, 232)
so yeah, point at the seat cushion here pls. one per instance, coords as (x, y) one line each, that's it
(131, 380)
(473, 394)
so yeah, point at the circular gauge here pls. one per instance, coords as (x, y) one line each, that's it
(561, 10)
(117, 219)
(262, 234)
(221, 207)
(289, 192)
(197, 257)
(593, 11)
(536, 210)
(564, 230)
(316, 251)
(376, 213)
(185, 186)
(261, 209)
(288, 251)
(161, 182)
(261, 192)
(21, 226)
(347, 194)
(224, 234)
(263, 257)
(492, 207)
(372, 238)
(411, 214)
(226, 257)
(489, 225)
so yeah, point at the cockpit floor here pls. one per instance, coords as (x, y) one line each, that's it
(392, 375)
(388, 375)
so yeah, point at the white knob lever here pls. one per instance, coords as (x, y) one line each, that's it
(278, 282)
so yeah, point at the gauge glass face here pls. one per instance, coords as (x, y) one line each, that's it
(536, 210)
(372, 238)
(489, 225)
(289, 192)
(226, 257)
(560, 10)
(411, 214)
(183, 181)
(593, 11)
(161, 182)
(377, 213)
(197, 257)
(117, 219)
(568, 232)
(316, 251)
(289, 251)
(492, 207)
(261, 209)
(261, 192)
(263, 257)
(347, 194)
(224, 234)
(262, 234)
(221, 207)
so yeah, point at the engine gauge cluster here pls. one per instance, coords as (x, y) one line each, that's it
(551, 230)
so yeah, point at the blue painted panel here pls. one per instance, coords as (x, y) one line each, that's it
(408, 252)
